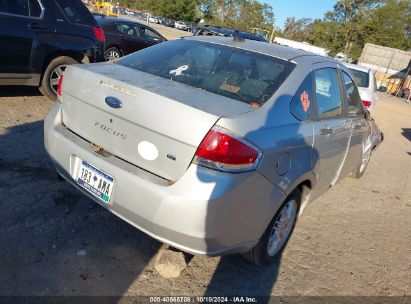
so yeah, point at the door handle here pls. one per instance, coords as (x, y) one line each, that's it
(357, 127)
(122, 37)
(327, 131)
(36, 26)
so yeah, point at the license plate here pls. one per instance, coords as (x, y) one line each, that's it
(97, 182)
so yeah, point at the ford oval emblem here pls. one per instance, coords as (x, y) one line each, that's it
(113, 102)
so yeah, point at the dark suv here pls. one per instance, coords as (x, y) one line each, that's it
(40, 38)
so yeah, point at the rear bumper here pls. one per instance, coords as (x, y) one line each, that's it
(204, 212)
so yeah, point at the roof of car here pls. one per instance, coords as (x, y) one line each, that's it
(231, 32)
(357, 67)
(279, 51)
(107, 20)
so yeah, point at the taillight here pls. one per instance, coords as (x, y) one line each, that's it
(366, 103)
(222, 151)
(59, 86)
(99, 34)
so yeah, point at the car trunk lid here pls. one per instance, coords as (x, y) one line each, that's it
(159, 125)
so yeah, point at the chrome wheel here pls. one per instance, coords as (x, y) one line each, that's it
(282, 227)
(112, 55)
(366, 154)
(55, 76)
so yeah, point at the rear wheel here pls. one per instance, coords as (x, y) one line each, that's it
(112, 54)
(52, 75)
(366, 155)
(278, 232)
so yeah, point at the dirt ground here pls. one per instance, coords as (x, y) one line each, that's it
(354, 240)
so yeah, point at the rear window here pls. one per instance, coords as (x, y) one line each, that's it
(360, 78)
(238, 74)
(76, 11)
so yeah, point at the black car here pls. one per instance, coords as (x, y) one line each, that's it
(169, 22)
(124, 37)
(39, 38)
(226, 32)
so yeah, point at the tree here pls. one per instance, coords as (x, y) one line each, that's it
(389, 25)
(350, 14)
(327, 34)
(239, 14)
(206, 8)
(297, 29)
(177, 9)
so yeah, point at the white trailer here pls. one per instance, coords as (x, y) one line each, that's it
(302, 46)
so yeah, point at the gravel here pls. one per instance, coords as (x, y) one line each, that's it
(353, 240)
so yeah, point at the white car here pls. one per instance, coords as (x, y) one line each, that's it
(153, 19)
(129, 13)
(180, 25)
(366, 83)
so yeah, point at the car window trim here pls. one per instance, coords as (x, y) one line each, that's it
(314, 114)
(344, 111)
(346, 94)
(343, 92)
(28, 17)
(67, 18)
(142, 26)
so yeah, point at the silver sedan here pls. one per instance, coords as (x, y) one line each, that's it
(213, 145)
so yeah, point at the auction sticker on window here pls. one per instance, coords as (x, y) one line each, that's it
(95, 181)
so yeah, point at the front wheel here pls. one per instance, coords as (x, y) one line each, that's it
(278, 232)
(366, 155)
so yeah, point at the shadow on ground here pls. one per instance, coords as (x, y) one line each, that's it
(15, 91)
(406, 133)
(53, 240)
(56, 241)
(235, 276)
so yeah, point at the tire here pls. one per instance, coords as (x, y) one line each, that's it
(366, 155)
(262, 253)
(52, 74)
(112, 53)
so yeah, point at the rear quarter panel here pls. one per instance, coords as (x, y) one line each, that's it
(76, 37)
(286, 143)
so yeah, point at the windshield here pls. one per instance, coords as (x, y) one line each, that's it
(360, 78)
(231, 72)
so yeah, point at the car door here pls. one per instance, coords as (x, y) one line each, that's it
(130, 36)
(20, 21)
(113, 37)
(332, 130)
(360, 126)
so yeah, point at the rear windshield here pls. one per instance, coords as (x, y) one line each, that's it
(76, 12)
(360, 78)
(235, 73)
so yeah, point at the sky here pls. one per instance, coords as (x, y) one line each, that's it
(299, 9)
